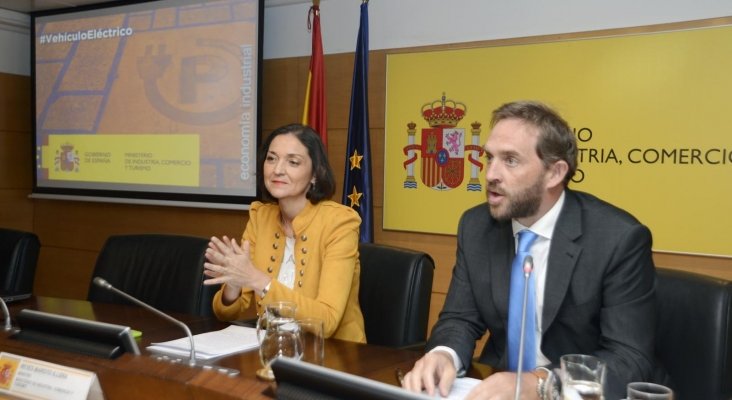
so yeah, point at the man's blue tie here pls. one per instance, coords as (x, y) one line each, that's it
(515, 304)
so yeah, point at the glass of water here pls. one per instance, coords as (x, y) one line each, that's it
(583, 377)
(648, 391)
(313, 340)
(278, 335)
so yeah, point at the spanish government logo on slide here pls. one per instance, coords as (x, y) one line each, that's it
(443, 148)
(67, 159)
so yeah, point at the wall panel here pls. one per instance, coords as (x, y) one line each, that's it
(16, 209)
(64, 272)
(15, 165)
(283, 89)
(72, 234)
(15, 103)
(86, 225)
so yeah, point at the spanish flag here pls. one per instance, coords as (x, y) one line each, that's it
(314, 111)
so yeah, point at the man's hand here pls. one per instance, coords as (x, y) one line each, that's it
(435, 369)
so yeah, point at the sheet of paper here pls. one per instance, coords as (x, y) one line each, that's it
(460, 389)
(209, 345)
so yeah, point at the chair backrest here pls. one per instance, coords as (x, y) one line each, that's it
(694, 334)
(165, 271)
(395, 291)
(18, 259)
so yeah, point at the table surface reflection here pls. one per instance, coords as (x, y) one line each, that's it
(145, 377)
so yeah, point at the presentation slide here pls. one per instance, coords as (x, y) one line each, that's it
(153, 100)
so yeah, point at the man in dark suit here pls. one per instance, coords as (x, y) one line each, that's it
(593, 271)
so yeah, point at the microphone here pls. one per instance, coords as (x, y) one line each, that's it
(106, 285)
(6, 314)
(528, 267)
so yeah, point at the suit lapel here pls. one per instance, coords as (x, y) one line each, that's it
(563, 256)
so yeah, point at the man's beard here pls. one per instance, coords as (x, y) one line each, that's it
(524, 203)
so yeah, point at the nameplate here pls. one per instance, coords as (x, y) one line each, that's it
(34, 379)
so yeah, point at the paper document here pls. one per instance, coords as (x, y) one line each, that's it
(459, 390)
(462, 386)
(209, 345)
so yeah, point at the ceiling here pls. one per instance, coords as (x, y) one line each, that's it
(28, 6)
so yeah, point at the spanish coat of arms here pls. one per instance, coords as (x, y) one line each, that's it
(443, 147)
(67, 159)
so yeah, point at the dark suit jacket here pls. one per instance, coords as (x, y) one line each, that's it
(599, 293)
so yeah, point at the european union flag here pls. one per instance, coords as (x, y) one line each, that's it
(357, 191)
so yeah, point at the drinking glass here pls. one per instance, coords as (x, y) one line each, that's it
(583, 377)
(278, 335)
(648, 391)
(313, 343)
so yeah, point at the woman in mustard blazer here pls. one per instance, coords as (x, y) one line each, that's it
(298, 246)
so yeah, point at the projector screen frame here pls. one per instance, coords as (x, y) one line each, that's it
(148, 194)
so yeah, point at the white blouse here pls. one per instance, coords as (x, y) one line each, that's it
(287, 269)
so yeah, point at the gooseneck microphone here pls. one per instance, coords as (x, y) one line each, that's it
(528, 267)
(106, 285)
(6, 314)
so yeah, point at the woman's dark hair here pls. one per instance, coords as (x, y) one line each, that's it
(324, 186)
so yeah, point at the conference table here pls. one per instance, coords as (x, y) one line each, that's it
(144, 377)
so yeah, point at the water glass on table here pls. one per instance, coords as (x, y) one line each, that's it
(583, 377)
(313, 342)
(648, 391)
(278, 336)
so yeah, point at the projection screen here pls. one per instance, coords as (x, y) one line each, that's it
(148, 102)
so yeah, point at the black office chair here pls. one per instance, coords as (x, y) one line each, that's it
(18, 259)
(395, 291)
(694, 334)
(165, 271)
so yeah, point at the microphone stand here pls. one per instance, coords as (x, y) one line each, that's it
(106, 285)
(528, 267)
(192, 360)
(8, 326)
